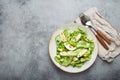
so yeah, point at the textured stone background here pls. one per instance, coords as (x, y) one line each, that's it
(25, 29)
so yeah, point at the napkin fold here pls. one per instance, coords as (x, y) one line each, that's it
(100, 23)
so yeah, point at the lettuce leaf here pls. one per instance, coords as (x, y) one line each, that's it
(78, 39)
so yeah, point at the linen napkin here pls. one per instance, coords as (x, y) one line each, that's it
(100, 23)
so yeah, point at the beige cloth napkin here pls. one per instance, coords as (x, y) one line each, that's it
(100, 23)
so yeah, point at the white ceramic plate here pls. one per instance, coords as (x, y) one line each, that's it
(52, 47)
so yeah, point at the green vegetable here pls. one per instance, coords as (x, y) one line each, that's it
(73, 48)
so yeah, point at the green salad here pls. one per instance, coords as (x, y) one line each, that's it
(74, 48)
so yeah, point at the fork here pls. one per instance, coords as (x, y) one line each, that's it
(85, 20)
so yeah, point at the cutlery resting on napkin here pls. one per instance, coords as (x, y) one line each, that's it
(85, 20)
(101, 24)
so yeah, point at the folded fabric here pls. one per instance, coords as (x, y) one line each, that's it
(100, 23)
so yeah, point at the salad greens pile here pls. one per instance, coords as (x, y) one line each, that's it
(74, 48)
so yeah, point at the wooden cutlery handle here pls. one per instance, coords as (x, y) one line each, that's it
(102, 42)
(103, 36)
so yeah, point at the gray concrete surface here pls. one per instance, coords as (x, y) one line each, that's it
(25, 29)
